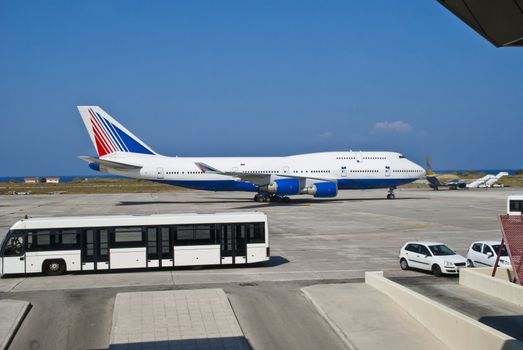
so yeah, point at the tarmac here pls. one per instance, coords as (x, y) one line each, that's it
(358, 312)
(175, 320)
(13, 313)
(313, 242)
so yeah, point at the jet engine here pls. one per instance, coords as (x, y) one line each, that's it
(283, 187)
(321, 190)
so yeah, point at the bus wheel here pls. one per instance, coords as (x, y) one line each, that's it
(54, 267)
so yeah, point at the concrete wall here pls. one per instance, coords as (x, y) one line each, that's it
(496, 287)
(454, 329)
(502, 273)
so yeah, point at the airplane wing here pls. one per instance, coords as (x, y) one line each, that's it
(110, 163)
(258, 179)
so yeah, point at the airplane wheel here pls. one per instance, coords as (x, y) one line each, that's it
(286, 199)
(265, 198)
(391, 196)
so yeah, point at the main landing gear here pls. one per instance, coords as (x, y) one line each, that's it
(391, 193)
(262, 197)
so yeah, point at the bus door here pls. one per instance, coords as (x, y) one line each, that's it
(14, 254)
(159, 247)
(233, 244)
(95, 250)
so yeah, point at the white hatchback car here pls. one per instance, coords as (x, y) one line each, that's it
(484, 253)
(431, 256)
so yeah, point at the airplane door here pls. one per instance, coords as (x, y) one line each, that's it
(285, 169)
(14, 254)
(159, 173)
(343, 171)
(387, 170)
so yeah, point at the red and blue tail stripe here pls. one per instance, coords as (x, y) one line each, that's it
(109, 138)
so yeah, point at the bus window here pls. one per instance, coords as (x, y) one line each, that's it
(184, 234)
(126, 237)
(166, 244)
(204, 234)
(256, 232)
(15, 246)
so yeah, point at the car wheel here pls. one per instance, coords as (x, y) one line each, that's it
(470, 263)
(404, 264)
(436, 270)
(54, 267)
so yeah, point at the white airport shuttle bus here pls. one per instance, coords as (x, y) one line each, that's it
(55, 245)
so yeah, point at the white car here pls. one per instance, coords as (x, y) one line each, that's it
(431, 256)
(484, 253)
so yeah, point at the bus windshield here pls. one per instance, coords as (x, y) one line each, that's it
(13, 244)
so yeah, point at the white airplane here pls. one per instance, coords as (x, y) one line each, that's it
(492, 182)
(487, 180)
(121, 153)
(478, 182)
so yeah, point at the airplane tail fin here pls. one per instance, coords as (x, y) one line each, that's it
(109, 136)
(429, 168)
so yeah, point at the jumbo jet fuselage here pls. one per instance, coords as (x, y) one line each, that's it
(318, 174)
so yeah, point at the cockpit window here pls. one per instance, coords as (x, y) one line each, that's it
(402, 156)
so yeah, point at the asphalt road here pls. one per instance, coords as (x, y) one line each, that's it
(272, 316)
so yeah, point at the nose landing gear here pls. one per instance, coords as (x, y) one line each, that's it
(391, 194)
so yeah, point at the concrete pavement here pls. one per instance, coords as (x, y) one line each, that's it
(12, 315)
(366, 319)
(182, 319)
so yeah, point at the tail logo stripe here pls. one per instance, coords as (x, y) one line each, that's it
(100, 137)
(103, 137)
(105, 142)
(104, 132)
(119, 141)
(108, 134)
(112, 133)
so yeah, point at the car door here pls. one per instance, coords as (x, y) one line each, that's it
(411, 254)
(425, 257)
(488, 256)
(475, 254)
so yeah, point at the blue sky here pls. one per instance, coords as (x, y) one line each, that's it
(228, 78)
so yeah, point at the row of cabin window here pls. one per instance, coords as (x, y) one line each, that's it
(312, 171)
(407, 171)
(123, 237)
(183, 172)
(363, 157)
(364, 171)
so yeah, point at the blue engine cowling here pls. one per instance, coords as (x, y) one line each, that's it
(94, 166)
(326, 189)
(284, 187)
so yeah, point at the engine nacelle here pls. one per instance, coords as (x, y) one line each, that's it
(94, 166)
(283, 187)
(322, 190)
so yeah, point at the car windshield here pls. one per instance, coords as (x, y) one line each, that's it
(441, 249)
(503, 251)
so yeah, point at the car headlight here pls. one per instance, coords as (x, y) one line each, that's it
(448, 264)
